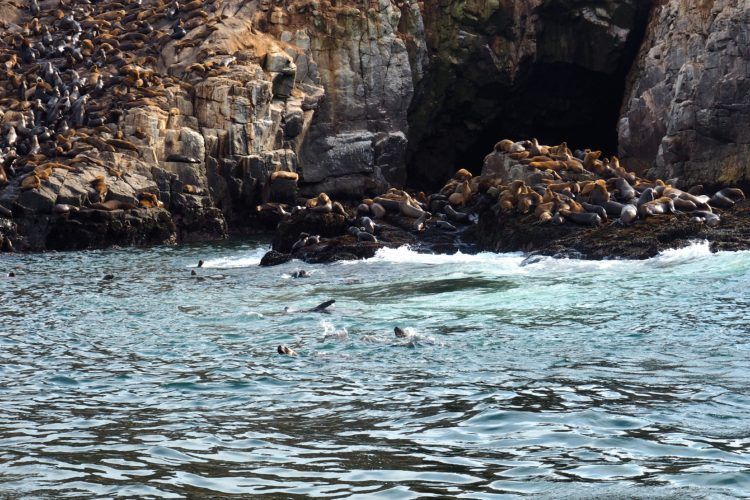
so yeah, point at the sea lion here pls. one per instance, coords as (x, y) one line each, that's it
(726, 198)
(300, 242)
(590, 159)
(596, 209)
(365, 236)
(148, 200)
(283, 175)
(377, 210)
(646, 196)
(628, 214)
(409, 210)
(597, 192)
(584, 218)
(300, 274)
(31, 182)
(200, 263)
(684, 205)
(100, 186)
(445, 226)
(455, 215)
(323, 307)
(368, 225)
(709, 218)
(659, 206)
(64, 209)
(625, 191)
(503, 146)
(286, 351)
(400, 333)
(312, 240)
(339, 209)
(321, 204)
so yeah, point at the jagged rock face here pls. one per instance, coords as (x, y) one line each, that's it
(687, 111)
(365, 56)
(552, 69)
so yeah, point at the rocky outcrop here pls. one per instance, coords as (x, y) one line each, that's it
(687, 111)
(360, 53)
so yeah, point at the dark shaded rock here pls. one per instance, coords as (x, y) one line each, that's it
(99, 229)
(305, 221)
(274, 258)
(641, 240)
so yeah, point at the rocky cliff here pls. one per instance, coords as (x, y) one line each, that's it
(687, 110)
(138, 122)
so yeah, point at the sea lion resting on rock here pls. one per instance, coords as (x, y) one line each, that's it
(321, 204)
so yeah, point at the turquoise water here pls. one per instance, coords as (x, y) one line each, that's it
(548, 378)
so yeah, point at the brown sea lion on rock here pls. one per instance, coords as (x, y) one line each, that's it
(321, 204)
(283, 175)
(659, 206)
(148, 200)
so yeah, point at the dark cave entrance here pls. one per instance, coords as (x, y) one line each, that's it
(577, 106)
(460, 112)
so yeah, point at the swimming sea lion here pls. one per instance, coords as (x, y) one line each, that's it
(323, 308)
(286, 351)
(400, 333)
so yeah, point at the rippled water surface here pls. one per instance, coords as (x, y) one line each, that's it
(547, 378)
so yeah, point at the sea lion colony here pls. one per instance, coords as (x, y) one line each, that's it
(70, 72)
(73, 68)
(557, 186)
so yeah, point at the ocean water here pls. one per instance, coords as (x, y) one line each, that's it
(520, 377)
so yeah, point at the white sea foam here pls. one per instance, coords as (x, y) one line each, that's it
(405, 255)
(518, 263)
(331, 333)
(249, 258)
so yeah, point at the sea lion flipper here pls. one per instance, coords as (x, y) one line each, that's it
(322, 307)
